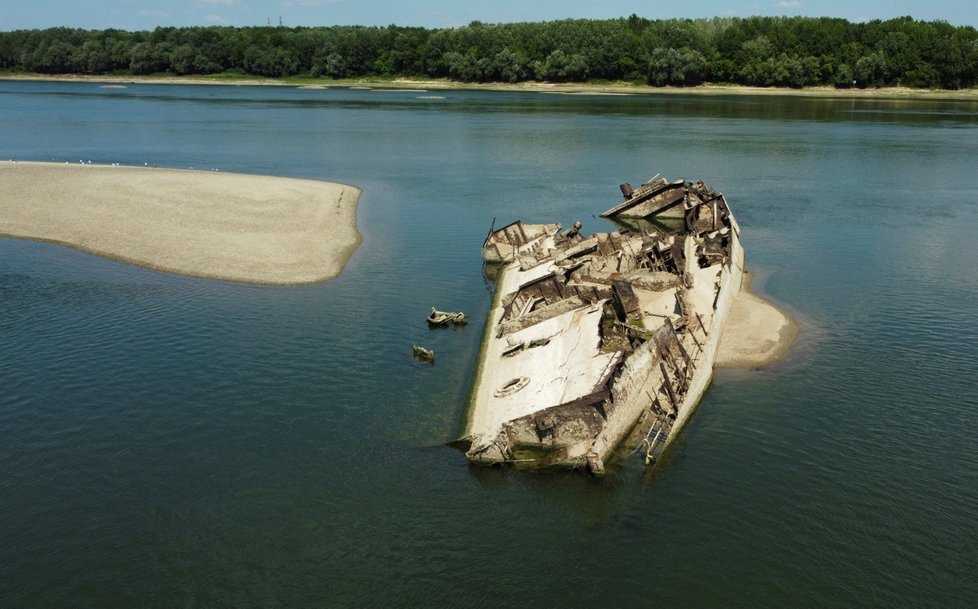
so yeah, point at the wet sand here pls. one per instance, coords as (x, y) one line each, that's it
(215, 225)
(614, 88)
(757, 333)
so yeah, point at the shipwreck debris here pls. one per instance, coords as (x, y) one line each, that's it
(446, 318)
(602, 341)
(652, 198)
(423, 354)
(506, 243)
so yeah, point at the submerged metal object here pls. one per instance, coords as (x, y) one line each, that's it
(423, 354)
(446, 318)
(502, 245)
(595, 340)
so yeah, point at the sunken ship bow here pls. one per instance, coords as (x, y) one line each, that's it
(601, 346)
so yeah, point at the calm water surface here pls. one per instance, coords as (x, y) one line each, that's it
(174, 442)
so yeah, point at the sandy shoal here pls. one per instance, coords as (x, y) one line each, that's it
(613, 88)
(215, 225)
(757, 333)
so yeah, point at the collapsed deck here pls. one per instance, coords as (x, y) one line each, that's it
(594, 339)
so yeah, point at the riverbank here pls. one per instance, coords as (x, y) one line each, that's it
(757, 333)
(615, 88)
(209, 224)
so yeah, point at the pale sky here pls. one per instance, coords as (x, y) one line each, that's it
(146, 14)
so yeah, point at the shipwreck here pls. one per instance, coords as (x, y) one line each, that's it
(603, 345)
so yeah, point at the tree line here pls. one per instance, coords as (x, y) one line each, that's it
(754, 51)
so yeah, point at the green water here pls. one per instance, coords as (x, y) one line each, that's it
(174, 442)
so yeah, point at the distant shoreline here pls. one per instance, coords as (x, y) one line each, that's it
(621, 88)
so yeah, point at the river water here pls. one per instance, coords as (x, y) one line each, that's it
(175, 442)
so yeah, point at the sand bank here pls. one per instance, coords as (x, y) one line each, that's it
(626, 88)
(611, 88)
(214, 225)
(757, 333)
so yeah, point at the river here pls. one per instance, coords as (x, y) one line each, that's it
(175, 442)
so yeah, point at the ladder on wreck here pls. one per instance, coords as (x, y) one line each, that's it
(654, 441)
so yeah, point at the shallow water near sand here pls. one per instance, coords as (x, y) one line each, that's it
(168, 441)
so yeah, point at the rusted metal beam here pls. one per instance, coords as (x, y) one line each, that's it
(649, 194)
(668, 384)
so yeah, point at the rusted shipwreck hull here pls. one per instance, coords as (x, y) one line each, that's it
(657, 197)
(595, 342)
(515, 239)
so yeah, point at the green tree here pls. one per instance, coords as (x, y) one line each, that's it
(676, 67)
(508, 66)
(870, 71)
(844, 77)
(561, 67)
(182, 59)
(272, 62)
(149, 58)
(762, 51)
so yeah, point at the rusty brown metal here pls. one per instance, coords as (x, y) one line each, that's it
(626, 298)
(668, 384)
(605, 281)
(659, 195)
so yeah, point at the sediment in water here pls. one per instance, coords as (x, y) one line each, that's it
(757, 334)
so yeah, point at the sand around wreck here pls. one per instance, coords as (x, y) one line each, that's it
(757, 333)
(215, 225)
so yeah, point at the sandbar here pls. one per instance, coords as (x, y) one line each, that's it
(757, 333)
(209, 224)
(612, 88)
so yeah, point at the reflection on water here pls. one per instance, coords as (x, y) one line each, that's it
(172, 441)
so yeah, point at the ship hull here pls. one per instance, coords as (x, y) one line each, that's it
(592, 341)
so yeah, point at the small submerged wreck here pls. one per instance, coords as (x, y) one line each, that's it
(603, 343)
(446, 318)
(423, 354)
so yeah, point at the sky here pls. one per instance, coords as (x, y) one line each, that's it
(135, 15)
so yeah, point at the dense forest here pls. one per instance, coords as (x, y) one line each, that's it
(757, 51)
